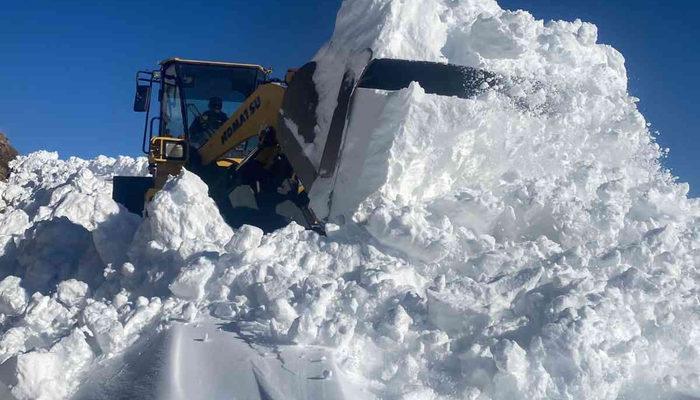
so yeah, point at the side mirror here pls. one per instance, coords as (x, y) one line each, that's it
(143, 98)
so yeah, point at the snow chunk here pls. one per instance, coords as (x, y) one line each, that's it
(182, 217)
(191, 281)
(38, 377)
(245, 239)
(13, 298)
(46, 315)
(52, 375)
(72, 292)
(103, 321)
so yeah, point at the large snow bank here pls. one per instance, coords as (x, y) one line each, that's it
(558, 241)
(522, 244)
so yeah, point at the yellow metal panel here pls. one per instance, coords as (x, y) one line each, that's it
(227, 162)
(164, 166)
(151, 193)
(259, 111)
(157, 151)
(215, 63)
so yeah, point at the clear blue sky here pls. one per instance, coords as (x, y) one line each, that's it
(67, 67)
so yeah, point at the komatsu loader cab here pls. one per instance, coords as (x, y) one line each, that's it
(218, 120)
(186, 88)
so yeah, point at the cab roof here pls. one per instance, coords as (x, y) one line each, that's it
(172, 60)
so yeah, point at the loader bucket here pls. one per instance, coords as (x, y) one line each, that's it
(130, 191)
(435, 78)
(299, 120)
(299, 108)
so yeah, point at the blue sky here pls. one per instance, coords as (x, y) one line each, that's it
(67, 67)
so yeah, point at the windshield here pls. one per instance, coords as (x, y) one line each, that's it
(210, 94)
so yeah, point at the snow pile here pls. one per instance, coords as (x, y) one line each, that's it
(522, 244)
(563, 255)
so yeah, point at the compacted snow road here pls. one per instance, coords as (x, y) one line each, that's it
(211, 360)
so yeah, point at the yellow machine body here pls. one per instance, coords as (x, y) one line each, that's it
(239, 152)
(252, 163)
(258, 112)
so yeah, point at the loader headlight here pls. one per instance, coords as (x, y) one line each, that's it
(174, 151)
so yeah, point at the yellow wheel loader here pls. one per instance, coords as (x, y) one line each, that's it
(245, 134)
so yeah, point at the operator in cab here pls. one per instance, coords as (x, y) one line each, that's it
(207, 123)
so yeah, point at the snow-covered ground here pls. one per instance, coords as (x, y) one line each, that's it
(524, 244)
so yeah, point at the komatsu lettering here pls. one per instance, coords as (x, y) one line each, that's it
(242, 118)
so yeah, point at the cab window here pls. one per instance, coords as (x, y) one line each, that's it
(172, 122)
(203, 85)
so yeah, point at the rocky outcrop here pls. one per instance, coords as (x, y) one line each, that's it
(7, 154)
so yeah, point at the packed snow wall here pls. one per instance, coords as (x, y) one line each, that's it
(526, 243)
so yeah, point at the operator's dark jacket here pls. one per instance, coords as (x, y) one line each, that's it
(205, 125)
